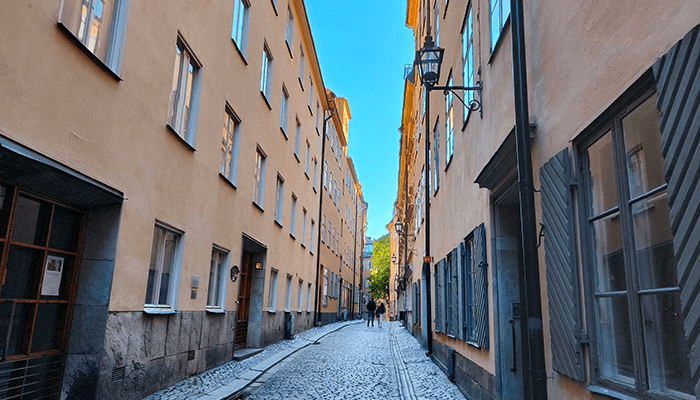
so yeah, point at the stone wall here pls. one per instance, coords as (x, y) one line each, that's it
(475, 382)
(144, 353)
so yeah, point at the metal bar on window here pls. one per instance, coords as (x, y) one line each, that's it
(649, 193)
(665, 290)
(618, 293)
(604, 214)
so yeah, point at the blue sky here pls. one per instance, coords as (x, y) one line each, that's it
(362, 48)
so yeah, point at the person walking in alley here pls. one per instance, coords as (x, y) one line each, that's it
(371, 306)
(380, 312)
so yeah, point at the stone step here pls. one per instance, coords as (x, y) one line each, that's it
(242, 354)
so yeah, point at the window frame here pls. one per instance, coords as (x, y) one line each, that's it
(284, 111)
(239, 33)
(181, 120)
(279, 200)
(272, 291)
(300, 295)
(468, 70)
(503, 19)
(293, 216)
(289, 31)
(312, 236)
(297, 140)
(259, 178)
(267, 69)
(230, 146)
(171, 301)
(219, 282)
(289, 283)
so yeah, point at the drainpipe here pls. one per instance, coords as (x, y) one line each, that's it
(534, 376)
(426, 265)
(354, 265)
(405, 228)
(317, 303)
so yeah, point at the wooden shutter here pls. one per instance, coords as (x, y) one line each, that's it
(454, 268)
(677, 77)
(461, 281)
(562, 278)
(481, 283)
(439, 298)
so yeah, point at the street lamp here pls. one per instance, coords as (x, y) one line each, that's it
(429, 61)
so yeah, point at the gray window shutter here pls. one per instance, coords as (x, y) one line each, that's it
(562, 278)
(481, 283)
(454, 268)
(461, 313)
(677, 77)
(439, 297)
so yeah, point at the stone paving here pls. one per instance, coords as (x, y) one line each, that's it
(215, 378)
(356, 362)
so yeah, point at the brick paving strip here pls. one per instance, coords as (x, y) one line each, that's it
(230, 379)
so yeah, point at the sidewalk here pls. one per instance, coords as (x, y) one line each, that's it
(227, 380)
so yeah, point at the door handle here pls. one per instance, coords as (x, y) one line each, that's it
(515, 365)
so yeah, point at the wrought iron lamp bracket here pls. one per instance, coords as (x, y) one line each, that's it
(474, 104)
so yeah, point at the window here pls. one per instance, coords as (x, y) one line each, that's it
(325, 287)
(288, 295)
(266, 73)
(230, 143)
(436, 164)
(239, 32)
(325, 174)
(297, 140)
(272, 295)
(184, 94)
(311, 97)
(312, 236)
(307, 163)
(500, 10)
(318, 117)
(449, 125)
(303, 227)
(315, 174)
(469, 304)
(308, 297)
(100, 26)
(259, 198)
(279, 200)
(284, 111)
(437, 22)
(300, 295)
(632, 268)
(468, 60)
(330, 238)
(293, 217)
(164, 269)
(216, 295)
(331, 183)
(323, 228)
(333, 241)
(289, 32)
(302, 61)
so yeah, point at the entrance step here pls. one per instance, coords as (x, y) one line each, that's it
(242, 354)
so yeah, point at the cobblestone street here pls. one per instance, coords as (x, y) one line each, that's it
(357, 362)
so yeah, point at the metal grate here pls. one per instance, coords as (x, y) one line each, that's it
(190, 355)
(31, 378)
(118, 373)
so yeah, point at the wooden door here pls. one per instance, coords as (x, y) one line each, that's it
(244, 301)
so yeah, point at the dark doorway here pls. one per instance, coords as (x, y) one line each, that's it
(244, 300)
(508, 260)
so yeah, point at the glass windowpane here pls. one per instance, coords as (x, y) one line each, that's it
(615, 346)
(65, 229)
(48, 326)
(31, 221)
(610, 262)
(23, 273)
(6, 193)
(602, 179)
(643, 148)
(167, 267)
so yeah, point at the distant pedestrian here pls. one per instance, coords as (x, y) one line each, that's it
(371, 306)
(380, 311)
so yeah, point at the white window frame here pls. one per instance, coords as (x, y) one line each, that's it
(300, 295)
(468, 60)
(308, 297)
(302, 65)
(312, 236)
(315, 175)
(217, 279)
(307, 162)
(266, 73)
(304, 217)
(325, 287)
(230, 144)
(272, 291)
(112, 59)
(260, 169)
(293, 217)
(311, 95)
(499, 11)
(279, 200)
(449, 124)
(284, 110)
(297, 139)
(323, 228)
(183, 109)
(170, 304)
(288, 294)
(289, 31)
(239, 28)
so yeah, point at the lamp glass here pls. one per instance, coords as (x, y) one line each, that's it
(429, 60)
(399, 227)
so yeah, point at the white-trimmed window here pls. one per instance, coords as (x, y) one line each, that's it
(266, 73)
(216, 296)
(311, 94)
(230, 142)
(289, 32)
(279, 200)
(288, 295)
(333, 241)
(184, 94)
(330, 238)
(437, 23)
(293, 217)
(241, 18)
(318, 117)
(325, 287)
(323, 228)
(164, 269)
(312, 236)
(260, 161)
(500, 10)
(325, 174)
(297, 140)
(307, 163)
(302, 62)
(308, 297)
(303, 226)
(468, 60)
(300, 295)
(449, 124)
(284, 110)
(100, 26)
(436, 153)
(272, 291)
(315, 174)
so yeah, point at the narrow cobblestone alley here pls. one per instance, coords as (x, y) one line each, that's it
(357, 362)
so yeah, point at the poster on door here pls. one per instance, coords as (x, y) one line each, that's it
(53, 270)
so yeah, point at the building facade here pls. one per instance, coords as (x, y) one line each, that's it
(613, 100)
(142, 240)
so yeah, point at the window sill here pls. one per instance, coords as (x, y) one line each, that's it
(278, 223)
(317, 131)
(301, 83)
(307, 175)
(500, 40)
(289, 47)
(271, 311)
(291, 235)
(159, 311)
(473, 343)
(609, 392)
(315, 190)
(284, 133)
(310, 110)
(448, 163)
(90, 54)
(274, 7)
(299, 311)
(233, 185)
(258, 206)
(297, 157)
(303, 245)
(240, 52)
(266, 100)
(216, 311)
(182, 140)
